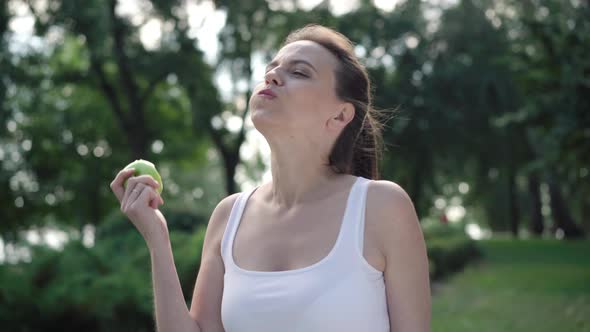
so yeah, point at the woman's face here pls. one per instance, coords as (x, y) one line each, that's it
(298, 93)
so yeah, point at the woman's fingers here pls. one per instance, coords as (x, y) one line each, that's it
(132, 184)
(128, 191)
(127, 175)
(119, 189)
(117, 184)
(145, 179)
(132, 194)
(141, 197)
(155, 198)
(135, 186)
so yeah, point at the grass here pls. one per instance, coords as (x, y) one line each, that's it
(519, 285)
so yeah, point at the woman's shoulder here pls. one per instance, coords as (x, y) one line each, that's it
(226, 204)
(384, 192)
(391, 217)
(220, 216)
(388, 205)
(223, 209)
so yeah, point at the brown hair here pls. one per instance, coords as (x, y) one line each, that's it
(357, 150)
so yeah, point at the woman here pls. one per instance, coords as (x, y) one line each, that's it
(324, 246)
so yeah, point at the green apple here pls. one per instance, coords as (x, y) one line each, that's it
(144, 167)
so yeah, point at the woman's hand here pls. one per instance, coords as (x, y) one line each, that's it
(139, 202)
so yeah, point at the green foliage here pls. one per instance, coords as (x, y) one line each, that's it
(449, 248)
(90, 100)
(450, 255)
(104, 288)
(549, 60)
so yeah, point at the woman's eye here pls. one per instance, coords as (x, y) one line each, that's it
(298, 73)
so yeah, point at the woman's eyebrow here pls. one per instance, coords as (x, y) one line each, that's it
(292, 62)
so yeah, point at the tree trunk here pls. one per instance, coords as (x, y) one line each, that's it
(230, 154)
(131, 117)
(536, 226)
(513, 202)
(417, 186)
(586, 216)
(560, 212)
(138, 141)
(230, 162)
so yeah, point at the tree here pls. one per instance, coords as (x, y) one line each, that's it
(93, 91)
(550, 40)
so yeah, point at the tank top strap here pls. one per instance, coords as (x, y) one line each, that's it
(353, 224)
(233, 222)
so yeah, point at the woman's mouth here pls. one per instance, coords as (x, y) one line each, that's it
(267, 93)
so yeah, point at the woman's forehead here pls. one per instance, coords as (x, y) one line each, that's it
(309, 51)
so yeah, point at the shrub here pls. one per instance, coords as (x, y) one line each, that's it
(447, 255)
(104, 288)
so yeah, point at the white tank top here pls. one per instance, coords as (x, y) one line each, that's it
(342, 292)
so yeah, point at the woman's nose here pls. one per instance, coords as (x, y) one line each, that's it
(272, 76)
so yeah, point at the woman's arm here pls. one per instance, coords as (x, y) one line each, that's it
(406, 272)
(170, 308)
(172, 313)
(208, 291)
(139, 201)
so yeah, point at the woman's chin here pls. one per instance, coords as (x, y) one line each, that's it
(262, 119)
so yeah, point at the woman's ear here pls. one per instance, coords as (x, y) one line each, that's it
(342, 118)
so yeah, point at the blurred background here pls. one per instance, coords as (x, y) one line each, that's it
(489, 133)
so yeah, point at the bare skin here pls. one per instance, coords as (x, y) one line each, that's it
(271, 239)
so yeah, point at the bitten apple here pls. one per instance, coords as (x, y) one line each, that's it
(144, 167)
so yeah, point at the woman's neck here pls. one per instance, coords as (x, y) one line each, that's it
(299, 175)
